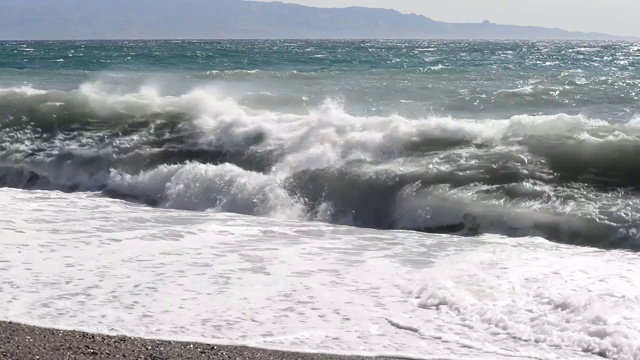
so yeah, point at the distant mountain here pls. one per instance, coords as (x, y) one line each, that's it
(224, 19)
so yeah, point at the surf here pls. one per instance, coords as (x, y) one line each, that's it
(204, 151)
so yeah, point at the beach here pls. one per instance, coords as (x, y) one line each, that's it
(23, 342)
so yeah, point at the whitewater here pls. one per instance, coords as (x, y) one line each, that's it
(478, 201)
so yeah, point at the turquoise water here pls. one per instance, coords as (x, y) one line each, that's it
(198, 190)
(472, 78)
(466, 137)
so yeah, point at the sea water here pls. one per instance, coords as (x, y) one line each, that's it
(431, 199)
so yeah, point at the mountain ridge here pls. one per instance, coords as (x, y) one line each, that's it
(239, 19)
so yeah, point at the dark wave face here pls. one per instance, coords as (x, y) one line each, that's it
(512, 138)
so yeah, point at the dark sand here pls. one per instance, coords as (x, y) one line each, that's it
(22, 342)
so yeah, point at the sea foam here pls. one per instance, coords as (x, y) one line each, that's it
(203, 150)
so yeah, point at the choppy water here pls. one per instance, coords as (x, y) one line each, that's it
(452, 164)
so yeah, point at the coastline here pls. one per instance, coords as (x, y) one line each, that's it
(25, 342)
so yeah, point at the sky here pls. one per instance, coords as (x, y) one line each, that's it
(615, 17)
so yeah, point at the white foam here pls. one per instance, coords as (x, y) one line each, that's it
(328, 129)
(515, 299)
(222, 188)
(21, 90)
(324, 137)
(85, 262)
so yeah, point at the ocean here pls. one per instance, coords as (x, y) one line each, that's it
(427, 199)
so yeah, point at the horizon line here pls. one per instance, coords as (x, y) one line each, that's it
(622, 39)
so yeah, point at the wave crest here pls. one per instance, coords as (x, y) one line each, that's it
(201, 150)
(194, 186)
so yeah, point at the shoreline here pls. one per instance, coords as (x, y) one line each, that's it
(26, 342)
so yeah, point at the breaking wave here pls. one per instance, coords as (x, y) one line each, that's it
(563, 177)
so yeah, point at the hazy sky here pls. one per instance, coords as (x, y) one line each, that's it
(616, 17)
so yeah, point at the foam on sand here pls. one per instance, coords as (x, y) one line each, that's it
(110, 266)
